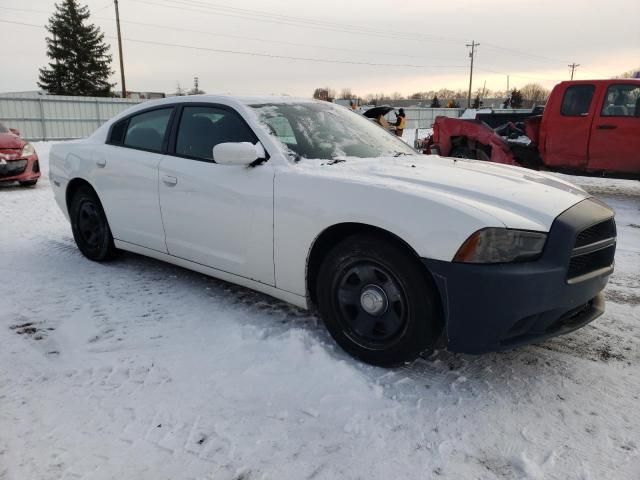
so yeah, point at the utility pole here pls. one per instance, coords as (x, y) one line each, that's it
(507, 84)
(472, 54)
(124, 87)
(573, 67)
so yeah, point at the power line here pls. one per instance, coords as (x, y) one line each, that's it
(518, 76)
(279, 18)
(262, 16)
(185, 6)
(241, 37)
(511, 51)
(259, 54)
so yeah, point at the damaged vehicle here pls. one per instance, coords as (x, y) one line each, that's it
(315, 205)
(588, 127)
(18, 159)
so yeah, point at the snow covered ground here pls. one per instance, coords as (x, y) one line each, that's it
(140, 370)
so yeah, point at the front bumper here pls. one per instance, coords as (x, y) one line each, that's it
(500, 306)
(20, 170)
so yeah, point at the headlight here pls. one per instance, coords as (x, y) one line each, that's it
(27, 150)
(501, 245)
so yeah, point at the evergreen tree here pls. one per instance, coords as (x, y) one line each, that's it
(80, 60)
(476, 102)
(435, 103)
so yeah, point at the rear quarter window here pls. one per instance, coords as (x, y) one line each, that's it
(577, 100)
(116, 137)
(146, 131)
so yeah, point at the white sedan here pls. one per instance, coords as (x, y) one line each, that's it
(315, 205)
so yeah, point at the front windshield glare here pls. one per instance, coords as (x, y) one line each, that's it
(320, 130)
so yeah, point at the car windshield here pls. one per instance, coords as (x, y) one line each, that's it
(320, 130)
(3, 129)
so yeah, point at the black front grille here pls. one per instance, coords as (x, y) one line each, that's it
(590, 262)
(594, 250)
(595, 233)
(12, 168)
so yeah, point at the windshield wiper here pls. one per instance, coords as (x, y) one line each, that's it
(336, 160)
(398, 154)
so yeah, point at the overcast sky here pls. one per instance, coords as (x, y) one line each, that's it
(529, 40)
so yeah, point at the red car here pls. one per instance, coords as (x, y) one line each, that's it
(18, 159)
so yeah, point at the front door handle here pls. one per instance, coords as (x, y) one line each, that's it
(606, 127)
(101, 162)
(169, 180)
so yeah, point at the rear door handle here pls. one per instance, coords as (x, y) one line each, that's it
(101, 162)
(169, 180)
(606, 127)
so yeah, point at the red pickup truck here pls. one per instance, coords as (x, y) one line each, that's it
(588, 126)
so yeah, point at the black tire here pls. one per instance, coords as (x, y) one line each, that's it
(462, 151)
(90, 227)
(372, 266)
(29, 183)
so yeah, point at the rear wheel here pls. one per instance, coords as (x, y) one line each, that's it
(377, 302)
(90, 227)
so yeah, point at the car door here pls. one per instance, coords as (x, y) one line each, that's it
(615, 140)
(569, 126)
(127, 177)
(217, 215)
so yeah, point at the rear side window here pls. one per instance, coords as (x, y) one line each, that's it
(577, 100)
(621, 101)
(146, 131)
(202, 128)
(118, 131)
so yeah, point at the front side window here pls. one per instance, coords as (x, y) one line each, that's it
(622, 101)
(146, 131)
(202, 128)
(3, 129)
(577, 100)
(321, 130)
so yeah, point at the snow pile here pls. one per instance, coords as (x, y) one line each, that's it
(140, 370)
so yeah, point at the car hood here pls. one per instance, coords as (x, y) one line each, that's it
(516, 197)
(10, 141)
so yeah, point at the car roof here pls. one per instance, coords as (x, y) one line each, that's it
(245, 100)
(600, 81)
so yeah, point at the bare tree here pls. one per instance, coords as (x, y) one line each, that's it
(346, 94)
(534, 94)
(180, 92)
(397, 96)
(324, 93)
(628, 74)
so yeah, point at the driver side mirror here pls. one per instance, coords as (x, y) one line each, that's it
(231, 153)
(15, 131)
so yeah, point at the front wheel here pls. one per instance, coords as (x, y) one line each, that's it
(377, 302)
(90, 227)
(462, 151)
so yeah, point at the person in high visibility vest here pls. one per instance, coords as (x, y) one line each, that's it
(401, 121)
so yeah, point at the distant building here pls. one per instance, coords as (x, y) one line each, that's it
(145, 95)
